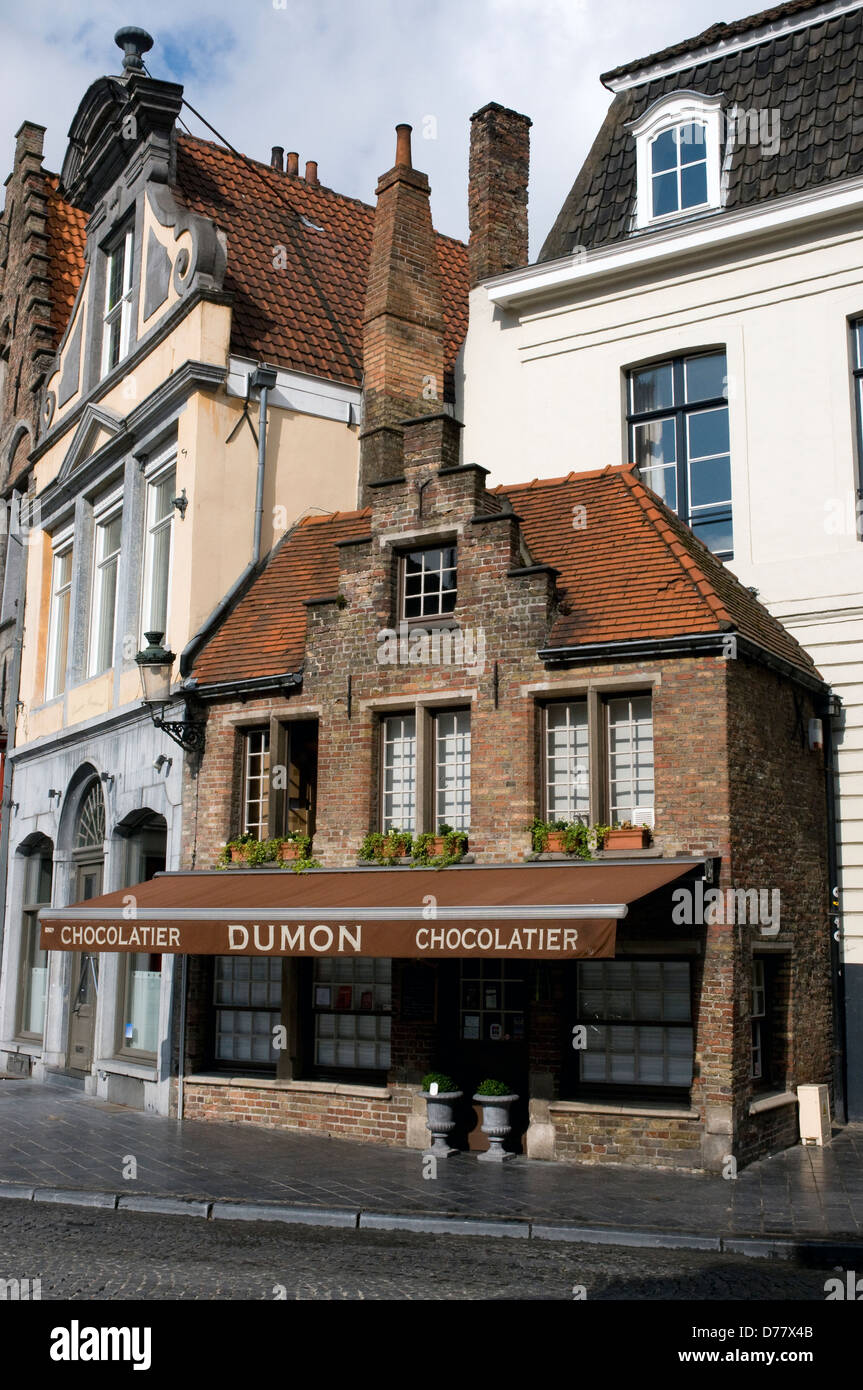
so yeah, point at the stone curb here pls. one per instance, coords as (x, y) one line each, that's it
(751, 1246)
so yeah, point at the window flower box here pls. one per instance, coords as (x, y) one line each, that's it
(627, 837)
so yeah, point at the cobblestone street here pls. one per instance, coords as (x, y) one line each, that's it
(105, 1255)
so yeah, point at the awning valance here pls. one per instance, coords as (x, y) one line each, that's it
(536, 911)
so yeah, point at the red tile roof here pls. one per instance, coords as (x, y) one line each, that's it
(65, 227)
(306, 316)
(633, 571)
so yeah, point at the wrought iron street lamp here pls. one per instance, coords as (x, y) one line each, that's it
(155, 664)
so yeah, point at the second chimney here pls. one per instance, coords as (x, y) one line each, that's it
(277, 158)
(293, 163)
(311, 171)
(497, 191)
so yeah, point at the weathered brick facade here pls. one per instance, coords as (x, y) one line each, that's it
(497, 193)
(733, 772)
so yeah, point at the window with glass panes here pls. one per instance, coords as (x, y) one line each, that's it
(256, 784)
(117, 320)
(492, 1001)
(399, 733)
(58, 622)
(630, 759)
(758, 1014)
(452, 768)
(679, 437)
(567, 762)
(158, 544)
(429, 582)
(106, 559)
(38, 875)
(857, 341)
(638, 1020)
(678, 169)
(352, 1006)
(247, 993)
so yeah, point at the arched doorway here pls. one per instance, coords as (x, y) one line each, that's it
(88, 858)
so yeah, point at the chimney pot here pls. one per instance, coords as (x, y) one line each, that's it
(403, 145)
(311, 171)
(293, 163)
(277, 158)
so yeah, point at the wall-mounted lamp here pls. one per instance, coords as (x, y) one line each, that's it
(161, 761)
(156, 663)
(181, 502)
(107, 778)
(52, 792)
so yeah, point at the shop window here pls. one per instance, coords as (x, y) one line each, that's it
(428, 582)
(637, 1017)
(492, 996)
(38, 877)
(247, 994)
(140, 972)
(352, 1010)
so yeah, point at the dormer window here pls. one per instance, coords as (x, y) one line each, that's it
(117, 319)
(678, 143)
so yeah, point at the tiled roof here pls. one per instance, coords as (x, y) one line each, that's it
(715, 34)
(633, 571)
(65, 227)
(812, 79)
(265, 633)
(306, 316)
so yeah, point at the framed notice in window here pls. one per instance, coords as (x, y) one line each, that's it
(344, 996)
(470, 1027)
(323, 997)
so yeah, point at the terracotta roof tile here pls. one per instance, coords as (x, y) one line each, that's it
(65, 226)
(633, 571)
(307, 314)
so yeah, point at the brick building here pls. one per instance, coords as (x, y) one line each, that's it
(563, 649)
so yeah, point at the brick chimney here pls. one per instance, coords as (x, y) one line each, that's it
(497, 191)
(403, 354)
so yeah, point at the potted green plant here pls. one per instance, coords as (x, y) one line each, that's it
(236, 851)
(447, 847)
(383, 849)
(561, 837)
(441, 1095)
(295, 845)
(495, 1097)
(626, 836)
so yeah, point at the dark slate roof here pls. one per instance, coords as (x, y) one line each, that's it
(813, 77)
(715, 34)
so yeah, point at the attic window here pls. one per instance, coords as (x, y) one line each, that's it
(678, 156)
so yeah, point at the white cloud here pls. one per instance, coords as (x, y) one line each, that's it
(331, 78)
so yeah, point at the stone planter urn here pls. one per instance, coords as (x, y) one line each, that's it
(440, 1118)
(496, 1124)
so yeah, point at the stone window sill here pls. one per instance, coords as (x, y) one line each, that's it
(265, 1083)
(658, 1111)
(29, 1049)
(772, 1101)
(120, 1067)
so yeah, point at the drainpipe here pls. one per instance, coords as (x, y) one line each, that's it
(262, 379)
(830, 709)
(14, 538)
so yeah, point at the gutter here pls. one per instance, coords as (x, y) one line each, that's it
(244, 689)
(835, 920)
(11, 721)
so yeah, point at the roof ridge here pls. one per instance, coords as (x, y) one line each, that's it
(572, 477)
(685, 559)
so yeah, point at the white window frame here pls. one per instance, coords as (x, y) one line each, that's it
(256, 790)
(399, 756)
(641, 814)
(62, 544)
(452, 759)
(125, 244)
(154, 476)
(679, 109)
(107, 511)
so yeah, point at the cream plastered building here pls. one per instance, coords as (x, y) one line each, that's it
(141, 505)
(698, 308)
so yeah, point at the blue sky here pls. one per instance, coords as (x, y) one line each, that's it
(331, 78)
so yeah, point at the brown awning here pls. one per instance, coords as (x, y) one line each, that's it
(539, 911)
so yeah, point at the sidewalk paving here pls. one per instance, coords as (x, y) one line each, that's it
(59, 1145)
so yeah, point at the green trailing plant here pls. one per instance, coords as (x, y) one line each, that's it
(444, 1082)
(258, 852)
(383, 849)
(492, 1088)
(578, 840)
(454, 848)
